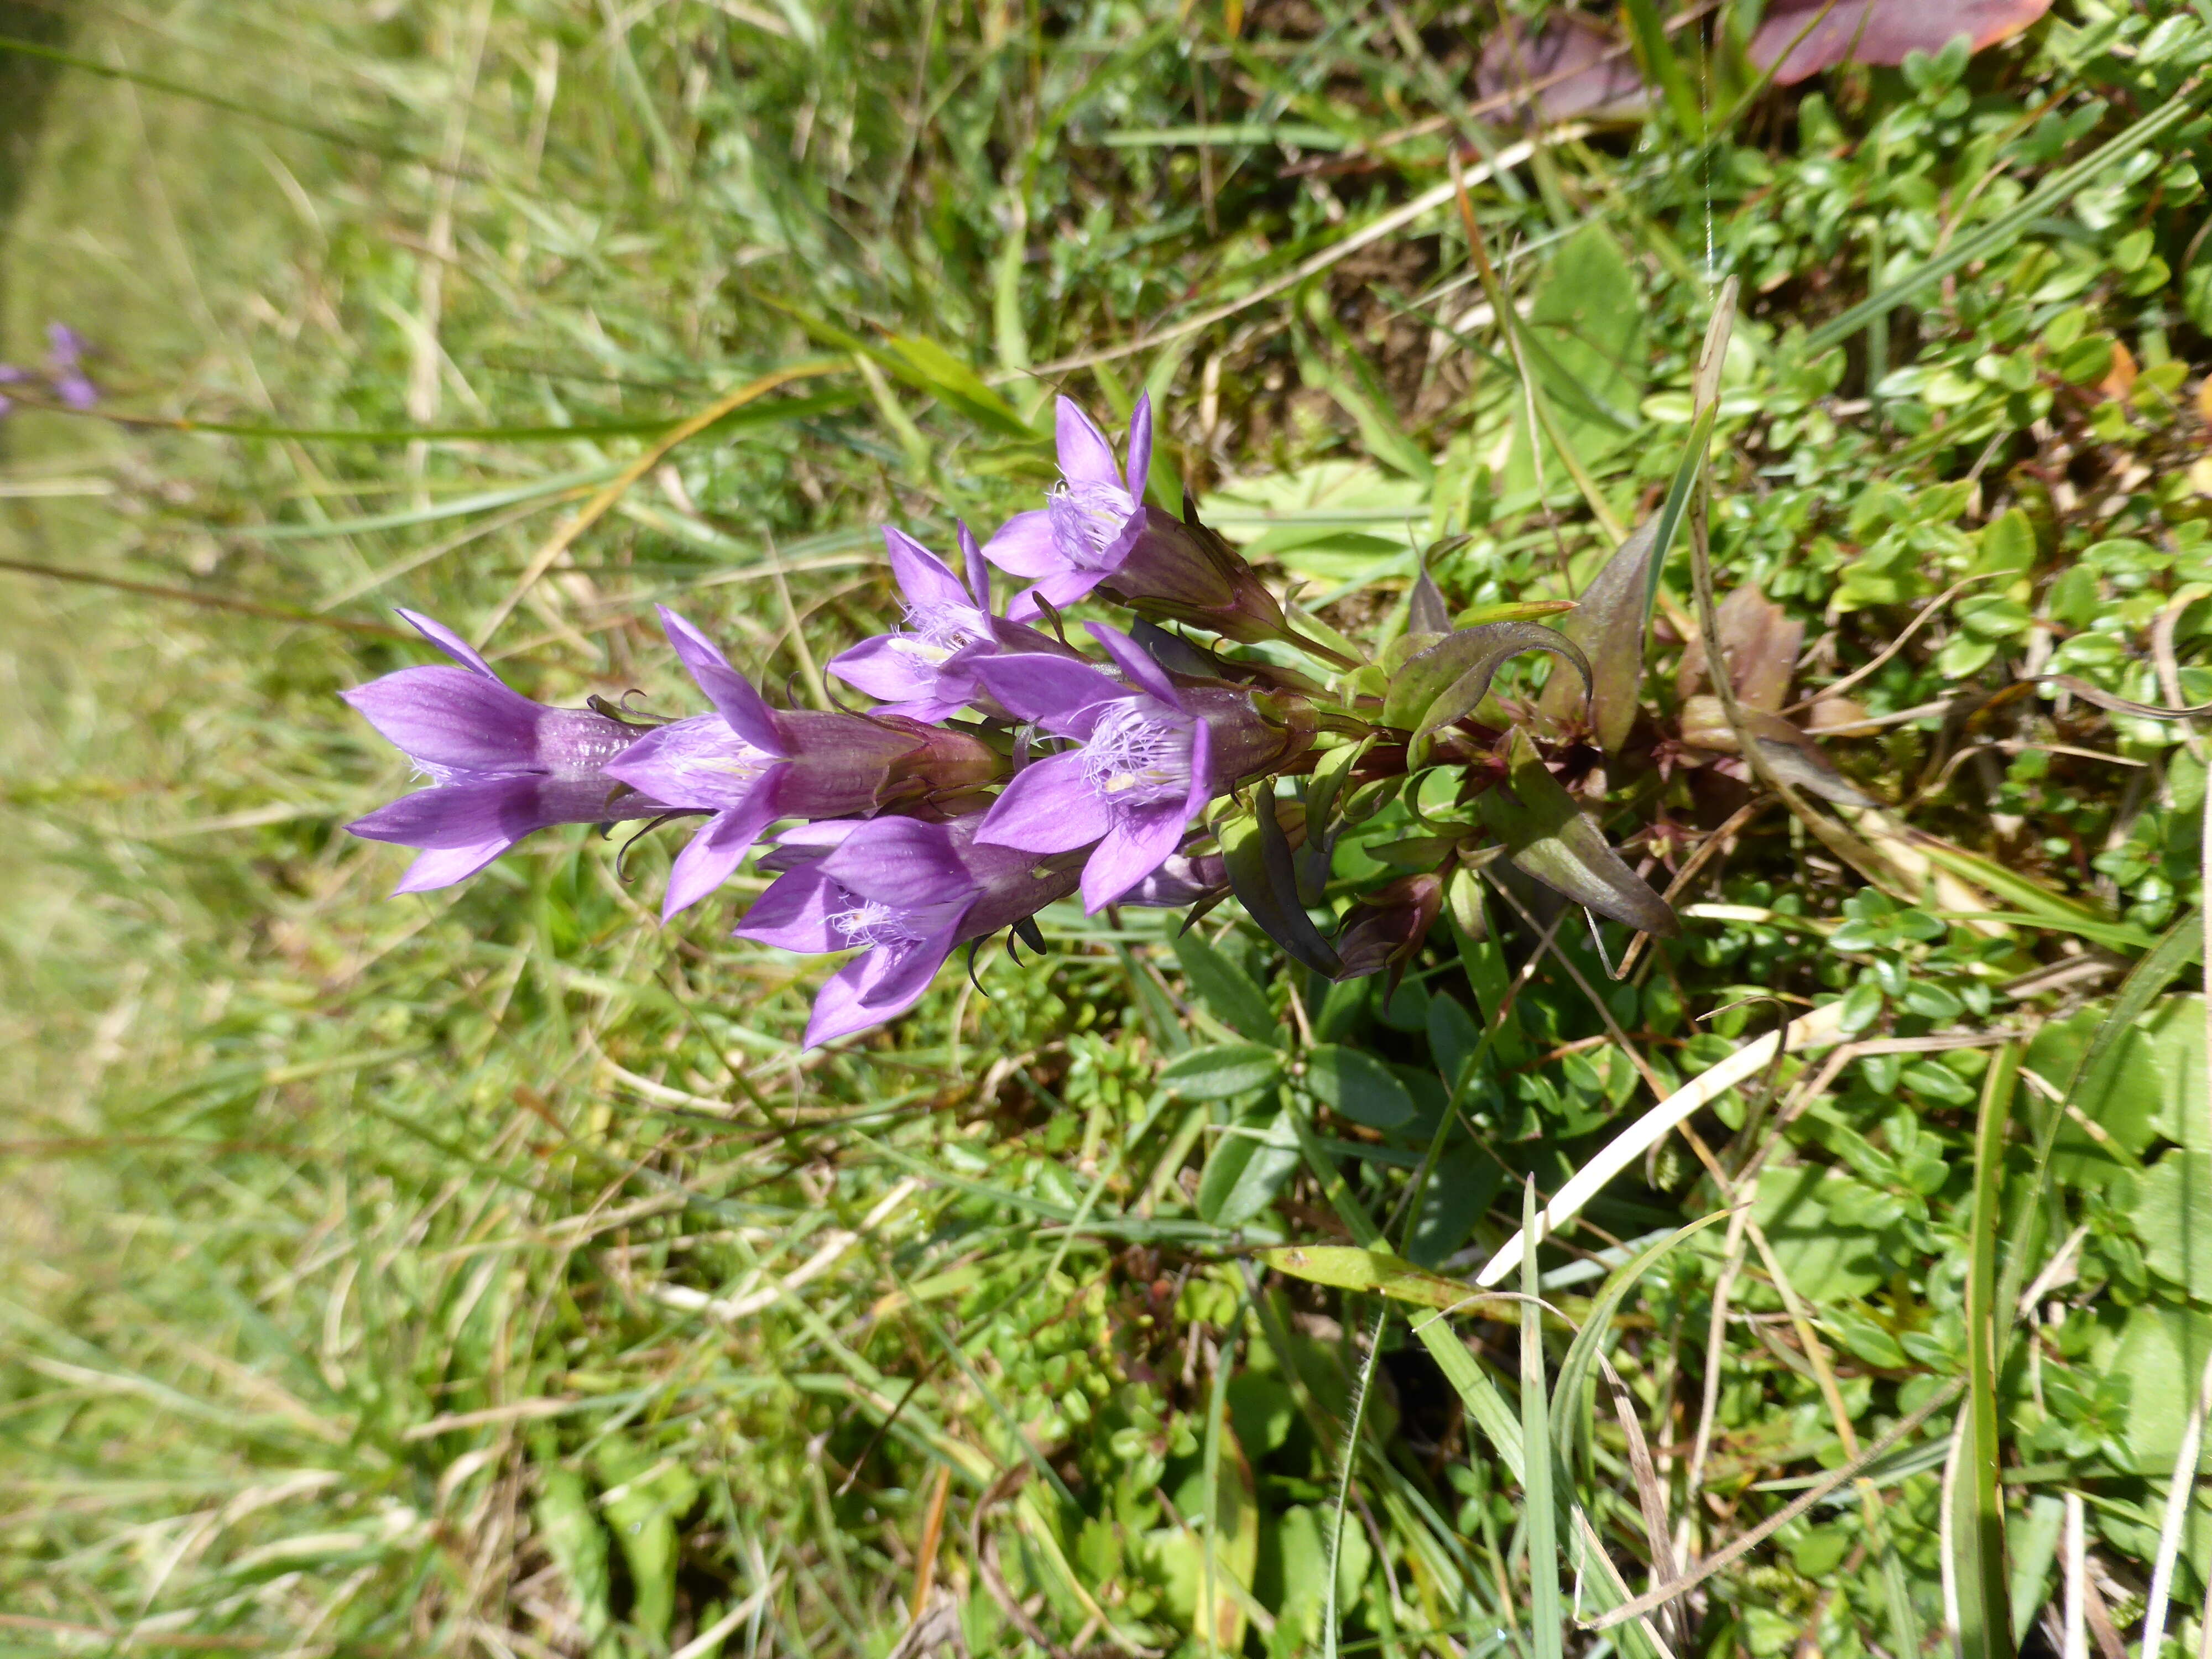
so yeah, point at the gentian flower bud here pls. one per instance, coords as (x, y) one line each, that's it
(1180, 881)
(749, 764)
(1152, 754)
(501, 765)
(927, 670)
(1385, 928)
(906, 893)
(1097, 532)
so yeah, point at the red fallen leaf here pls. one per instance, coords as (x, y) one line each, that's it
(1882, 31)
(1760, 642)
(1572, 66)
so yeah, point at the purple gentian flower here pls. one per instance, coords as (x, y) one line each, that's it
(1097, 532)
(65, 367)
(9, 375)
(502, 766)
(749, 764)
(925, 671)
(904, 892)
(1086, 532)
(1153, 754)
(928, 670)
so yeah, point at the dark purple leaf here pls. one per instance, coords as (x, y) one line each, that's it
(1547, 837)
(1611, 622)
(1572, 66)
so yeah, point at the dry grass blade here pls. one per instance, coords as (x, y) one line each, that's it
(653, 454)
(1811, 1031)
(1738, 1547)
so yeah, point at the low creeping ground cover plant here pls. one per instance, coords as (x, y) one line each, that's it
(1256, 829)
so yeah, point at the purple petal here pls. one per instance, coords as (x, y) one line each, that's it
(1141, 446)
(1136, 663)
(709, 857)
(828, 833)
(732, 694)
(1201, 771)
(458, 815)
(1059, 591)
(902, 862)
(698, 763)
(925, 579)
(449, 642)
(1025, 546)
(1138, 845)
(76, 391)
(453, 718)
(444, 866)
(893, 977)
(1085, 454)
(1035, 686)
(878, 986)
(1049, 807)
(896, 667)
(795, 913)
(979, 570)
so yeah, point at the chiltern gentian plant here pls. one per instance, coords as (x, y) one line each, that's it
(1005, 770)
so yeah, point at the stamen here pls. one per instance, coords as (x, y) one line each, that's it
(939, 630)
(1087, 519)
(1138, 753)
(872, 924)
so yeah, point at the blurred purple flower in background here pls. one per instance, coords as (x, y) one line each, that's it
(749, 764)
(500, 766)
(65, 367)
(905, 893)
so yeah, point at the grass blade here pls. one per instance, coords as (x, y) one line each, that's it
(1984, 1617)
(1546, 1618)
(2176, 949)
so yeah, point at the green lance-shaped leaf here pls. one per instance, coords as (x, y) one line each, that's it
(1612, 622)
(1345, 1267)
(1323, 791)
(1357, 1085)
(1446, 681)
(1247, 1166)
(1547, 837)
(1226, 990)
(1222, 1071)
(1612, 619)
